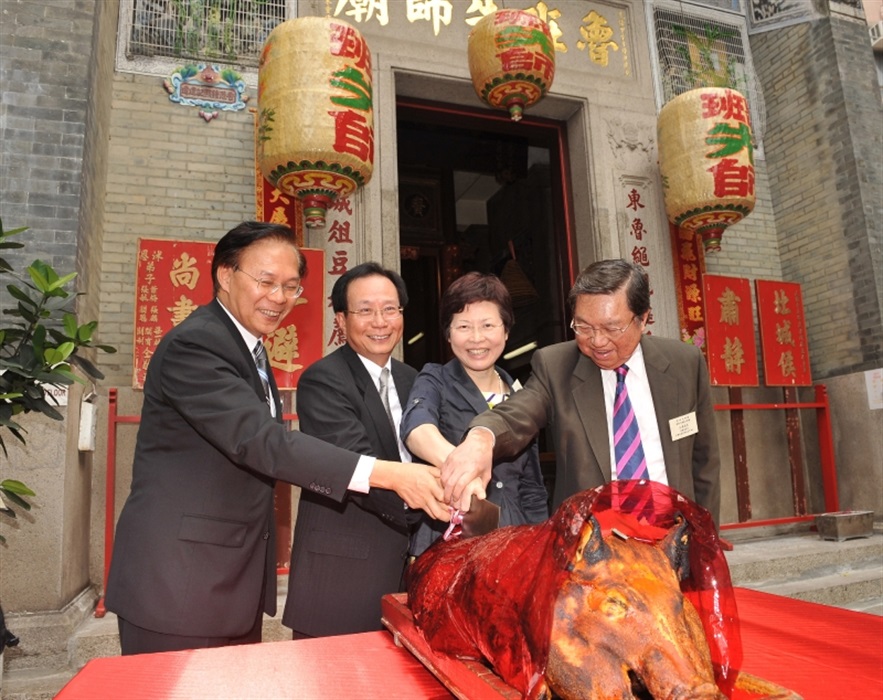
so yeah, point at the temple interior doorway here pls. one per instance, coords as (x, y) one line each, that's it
(480, 192)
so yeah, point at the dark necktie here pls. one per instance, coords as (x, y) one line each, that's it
(630, 462)
(260, 359)
(384, 396)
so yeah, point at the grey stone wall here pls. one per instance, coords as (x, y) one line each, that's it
(824, 155)
(44, 65)
(45, 50)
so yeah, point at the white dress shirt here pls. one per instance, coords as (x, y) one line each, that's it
(395, 406)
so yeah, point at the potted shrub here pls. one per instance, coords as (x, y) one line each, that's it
(40, 341)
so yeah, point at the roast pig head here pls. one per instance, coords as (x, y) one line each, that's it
(621, 626)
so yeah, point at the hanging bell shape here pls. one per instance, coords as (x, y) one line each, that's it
(316, 117)
(511, 60)
(706, 160)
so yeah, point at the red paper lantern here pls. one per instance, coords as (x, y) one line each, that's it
(707, 161)
(511, 60)
(316, 119)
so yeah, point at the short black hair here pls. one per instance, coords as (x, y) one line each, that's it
(471, 288)
(228, 250)
(367, 269)
(608, 277)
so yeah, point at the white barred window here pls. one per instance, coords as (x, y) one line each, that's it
(155, 36)
(698, 46)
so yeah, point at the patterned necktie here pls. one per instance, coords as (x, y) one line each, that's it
(260, 359)
(384, 396)
(630, 462)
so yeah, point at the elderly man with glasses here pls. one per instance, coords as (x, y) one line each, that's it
(194, 559)
(620, 404)
(346, 556)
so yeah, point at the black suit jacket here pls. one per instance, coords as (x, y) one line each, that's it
(565, 391)
(194, 548)
(346, 556)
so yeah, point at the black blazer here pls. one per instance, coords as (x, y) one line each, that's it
(194, 548)
(346, 556)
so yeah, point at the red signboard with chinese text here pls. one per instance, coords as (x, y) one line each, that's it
(783, 333)
(689, 264)
(731, 352)
(174, 277)
(298, 342)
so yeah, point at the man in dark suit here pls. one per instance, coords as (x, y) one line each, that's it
(193, 562)
(572, 389)
(347, 555)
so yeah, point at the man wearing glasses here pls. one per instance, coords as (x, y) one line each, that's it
(193, 563)
(346, 556)
(621, 404)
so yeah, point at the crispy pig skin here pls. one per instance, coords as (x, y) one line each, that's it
(558, 607)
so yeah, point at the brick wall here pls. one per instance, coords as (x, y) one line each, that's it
(44, 63)
(95, 151)
(823, 151)
(170, 175)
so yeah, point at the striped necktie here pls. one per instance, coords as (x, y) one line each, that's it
(630, 462)
(260, 360)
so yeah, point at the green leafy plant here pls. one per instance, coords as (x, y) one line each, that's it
(40, 339)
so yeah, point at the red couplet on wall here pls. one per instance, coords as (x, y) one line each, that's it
(173, 277)
(732, 357)
(689, 268)
(783, 333)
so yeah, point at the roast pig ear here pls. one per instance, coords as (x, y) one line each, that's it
(676, 545)
(592, 547)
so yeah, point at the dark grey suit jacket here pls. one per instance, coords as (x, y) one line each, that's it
(565, 392)
(194, 547)
(346, 556)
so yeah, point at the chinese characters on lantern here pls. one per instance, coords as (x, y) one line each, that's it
(734, 172)
(589, 30)
(783, 333)
(173, 278)
(731, 352)
(354, 129)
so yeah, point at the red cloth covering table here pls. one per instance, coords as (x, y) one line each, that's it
(820, 652)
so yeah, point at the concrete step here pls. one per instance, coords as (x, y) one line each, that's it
(799, 557)
(847, 574)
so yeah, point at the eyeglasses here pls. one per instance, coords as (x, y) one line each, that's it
(387, 312)
(267, 287)
(486, 328)
(584, 329)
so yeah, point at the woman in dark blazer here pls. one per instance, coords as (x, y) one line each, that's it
(476, 315)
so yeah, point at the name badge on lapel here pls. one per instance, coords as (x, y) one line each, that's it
(683, 426)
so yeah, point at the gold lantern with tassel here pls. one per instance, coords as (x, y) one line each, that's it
(511, 60)
(316, 119)
(707, 161)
